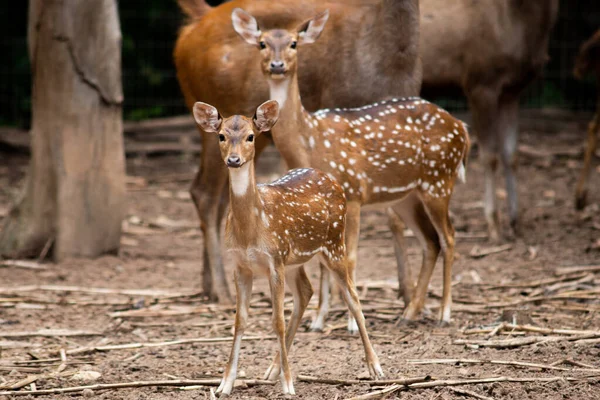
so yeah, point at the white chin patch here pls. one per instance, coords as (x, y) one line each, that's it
(278, 90)
(240, 179)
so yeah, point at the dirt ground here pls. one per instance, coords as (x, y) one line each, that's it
(161, 252)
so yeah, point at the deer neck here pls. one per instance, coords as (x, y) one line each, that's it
(292, 132)
(393, 28)
(243, 196)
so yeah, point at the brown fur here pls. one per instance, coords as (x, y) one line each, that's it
(406, 151)
(491, 50)
(273, 230)
(368, 51)
(588, 61)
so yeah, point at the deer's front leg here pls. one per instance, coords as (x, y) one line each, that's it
(277, 284)
(243, 286)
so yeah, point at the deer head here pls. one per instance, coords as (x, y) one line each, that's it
(278, 46)
(237, 133)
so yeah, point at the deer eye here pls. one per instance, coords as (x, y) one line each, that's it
(262, 45)
(294, 44)
(221, 137)
(250, 138)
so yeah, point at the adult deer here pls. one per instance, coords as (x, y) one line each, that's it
(273, 230)
(491, 50)
(369, 51)
(405, 153)
(588, 61)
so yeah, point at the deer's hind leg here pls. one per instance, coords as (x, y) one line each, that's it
(584, 176)
(437, 210)
(413, 213)
(302, 291)
(340, 268)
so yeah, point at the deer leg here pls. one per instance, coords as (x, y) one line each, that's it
(584, 176)
(484, 106)
(341, 271)
(302, 291)
(352, 236)
(243, 285)
(318, 321)
(509, 120)
(438, 214)
(405, 283)
(276, 283)
(207, 191)
(413, 213)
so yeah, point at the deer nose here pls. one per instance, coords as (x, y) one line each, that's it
(234, 161)
(277, 66)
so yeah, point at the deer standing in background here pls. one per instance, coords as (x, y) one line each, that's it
(273, 230)
(588, 61)
(369, 51)
(405, 153)
(491, 50)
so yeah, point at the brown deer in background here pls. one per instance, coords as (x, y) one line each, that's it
(274, 230)
(403, 153)
(588, 61)
(368, 52)
(491, 50)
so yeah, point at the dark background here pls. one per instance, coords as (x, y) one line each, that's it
(150, 28)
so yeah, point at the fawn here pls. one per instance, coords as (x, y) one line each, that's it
(405, 153)
(273, 230)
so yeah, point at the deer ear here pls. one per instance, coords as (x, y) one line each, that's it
(310, 30)
(207, 117)
(246, 26)
(266, 115)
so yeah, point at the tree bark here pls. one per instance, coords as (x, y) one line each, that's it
(75, 188)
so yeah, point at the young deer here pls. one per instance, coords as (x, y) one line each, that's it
(273, 230)
(405, 153)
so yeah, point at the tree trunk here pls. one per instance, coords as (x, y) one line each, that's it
(75, 189)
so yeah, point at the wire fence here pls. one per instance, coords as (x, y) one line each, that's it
(150, 29)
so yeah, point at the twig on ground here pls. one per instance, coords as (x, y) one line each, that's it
(500, 362)
(466, 392)
(477, 252)
(576, 268)
(50, 333)
(530, 328)
(23, 264)
(46, 249)
(105, 386)
(536, 283)
(451, 382)
(345, 382)
(377, 394)
(126, 346)
(524, 341)
(96, 290)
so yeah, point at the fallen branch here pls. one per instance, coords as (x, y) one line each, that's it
(95, 290)
(536, 283)
(508, 343)
(465, 392)
(23, 264)
(346, 382)
(447, 383)
(530, 328)
(477, 252)
(576, 268)
(138, 384)
(49, 333)
(499, 362)
(378, 393)
(126, 346)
